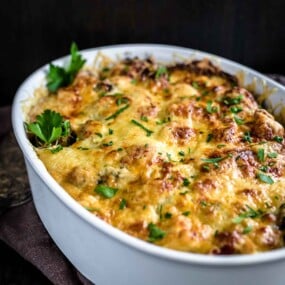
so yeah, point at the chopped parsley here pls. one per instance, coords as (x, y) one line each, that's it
(99, 135)
(110, 143)
(264, 168)
(155, 233)
(106, 191)
(260, 154)
(167, 215)
(148, 132)
(247, 230)
(181, 153)
(123, 204)
(118, 112)
(209, 138)
(111, 131)
(278, 139)
(232, 101)
(210, 108)
(265, 178)
(221, 145)
(60, 77)
(212, 160)
(144, 118)
(56, 149)
(161, 71)
(238, 120)
(186, 182)
(186, 213)
(250, 213)
(236, 109)
(195, 85)
(272, 155)
(163, 121)
(247, 137)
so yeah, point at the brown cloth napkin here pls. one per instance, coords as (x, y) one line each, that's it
(21, 228)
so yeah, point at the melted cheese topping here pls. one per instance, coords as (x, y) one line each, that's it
(197, 165)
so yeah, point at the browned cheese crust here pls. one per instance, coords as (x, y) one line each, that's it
(189, 151)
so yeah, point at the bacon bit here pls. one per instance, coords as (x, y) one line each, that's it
(249, 192)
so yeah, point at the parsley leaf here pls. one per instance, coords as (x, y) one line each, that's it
(238, 120)
(278, 139)
(155, 233)
(123, 204)
(49, 127)
(251, 213)
(148, 132)
(59, 76)
(247, 137)
(211, 109)
(232, 101)
(236, 109)
(117, 113)
(260, 154)
(265, 178)
(106, 191)
(161, 71)
(272, 155)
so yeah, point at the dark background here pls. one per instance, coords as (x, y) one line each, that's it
(33, 32)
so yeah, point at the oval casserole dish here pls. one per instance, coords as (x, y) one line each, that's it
(106, 255)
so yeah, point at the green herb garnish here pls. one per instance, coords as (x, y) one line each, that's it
(167, 215)
(265, 178)
(49, 128)
(181, 153)
(60, 77)
(117, 113)
(110, 143)
(110, 131)
(195, 85)
(251, 213)
(264, 168)
(247, 230)
(106, 191)
(211, 109)
(260, 154)
(238, 120)
(155, 233)
(232, 101)
(209, 138)
(278, 139)
(247, 137)
(148, 132)
(161, 71)
(186, 182)
(236, 109)
(212, 160)
(123, 204)
(272, 155)
(186, 213)
(144, 118)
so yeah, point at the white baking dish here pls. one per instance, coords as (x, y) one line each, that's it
(108, 256)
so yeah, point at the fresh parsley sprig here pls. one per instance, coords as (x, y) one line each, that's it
(59, 76)
(49, 128)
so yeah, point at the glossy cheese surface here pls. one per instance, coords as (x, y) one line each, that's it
(197, 165)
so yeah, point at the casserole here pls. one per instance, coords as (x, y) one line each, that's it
(104, 254)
